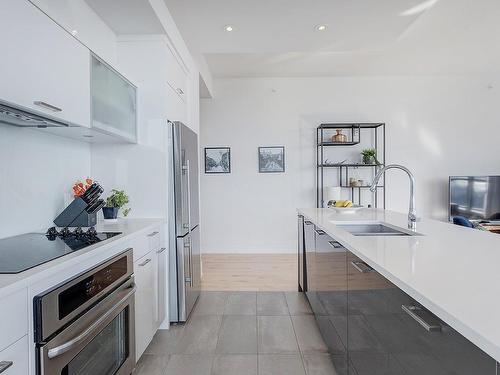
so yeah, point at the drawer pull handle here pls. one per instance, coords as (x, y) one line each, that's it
(336, 244)
(152, 234)
(161, 250)
(48, 106)
(307, 222)
(145, 262)
(320, 232)
(423, 317)
(361, 266)
(4, 365)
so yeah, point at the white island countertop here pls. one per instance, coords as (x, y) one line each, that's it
(453, 271)
(129, 228)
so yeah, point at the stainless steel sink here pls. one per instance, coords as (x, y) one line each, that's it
(375, 229)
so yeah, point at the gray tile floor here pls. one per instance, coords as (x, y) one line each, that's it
(241, 333)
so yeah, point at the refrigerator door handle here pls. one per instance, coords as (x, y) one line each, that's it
(191, 267)
(187, 170)
(187, 245)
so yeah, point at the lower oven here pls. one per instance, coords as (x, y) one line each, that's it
(86, 325)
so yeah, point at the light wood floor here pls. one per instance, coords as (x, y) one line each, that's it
(249, 272)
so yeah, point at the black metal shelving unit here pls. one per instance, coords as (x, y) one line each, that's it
(354, 138)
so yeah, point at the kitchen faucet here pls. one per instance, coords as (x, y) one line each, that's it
(412, 212)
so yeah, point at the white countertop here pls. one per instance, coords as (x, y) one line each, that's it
(128, 227)
(453, 271)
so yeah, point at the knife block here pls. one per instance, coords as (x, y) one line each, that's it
(75, 215)
(85, 220)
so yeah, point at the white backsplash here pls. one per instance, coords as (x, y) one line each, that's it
(36, 174)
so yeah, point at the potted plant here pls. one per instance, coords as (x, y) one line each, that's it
(114, 202)
(370, 156)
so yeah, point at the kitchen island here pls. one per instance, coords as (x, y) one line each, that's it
(421, 303)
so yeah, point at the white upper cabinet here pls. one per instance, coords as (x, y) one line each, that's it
(43, 67)
(114, 102)
(177, 77)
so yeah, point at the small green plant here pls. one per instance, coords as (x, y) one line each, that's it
(118, 199)
(370, 156)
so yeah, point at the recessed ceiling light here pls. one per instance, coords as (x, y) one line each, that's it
(321, 27)
(229, 28)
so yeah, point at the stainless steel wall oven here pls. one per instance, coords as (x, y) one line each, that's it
(86, 325)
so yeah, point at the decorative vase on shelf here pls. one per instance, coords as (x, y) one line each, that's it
(367, 159)
(339, 137)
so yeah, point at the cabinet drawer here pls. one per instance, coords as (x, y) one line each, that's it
(14, 318)
(140, 245)
(154, 239)
(18, 355)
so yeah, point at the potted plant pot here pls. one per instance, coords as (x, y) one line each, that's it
(110, 213)
(368, 159)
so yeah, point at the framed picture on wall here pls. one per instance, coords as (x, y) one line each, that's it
(272, 159)
(217, 160)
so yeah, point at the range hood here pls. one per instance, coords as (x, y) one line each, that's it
(12, 114)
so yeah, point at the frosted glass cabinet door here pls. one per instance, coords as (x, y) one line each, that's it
(114, 102)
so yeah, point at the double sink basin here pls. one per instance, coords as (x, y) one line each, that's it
(375, 229)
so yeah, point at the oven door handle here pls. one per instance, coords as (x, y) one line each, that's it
(61, 349)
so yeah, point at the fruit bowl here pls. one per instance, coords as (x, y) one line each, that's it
(351, 209)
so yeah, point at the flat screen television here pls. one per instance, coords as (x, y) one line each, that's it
(475, 197)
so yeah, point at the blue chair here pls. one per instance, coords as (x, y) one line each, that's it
(464, 222)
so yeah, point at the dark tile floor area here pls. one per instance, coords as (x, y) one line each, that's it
(241, 333)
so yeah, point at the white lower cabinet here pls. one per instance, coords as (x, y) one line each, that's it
(145, 305)
(14, 360)
(151, 296)
(13, 318)
(161, 281)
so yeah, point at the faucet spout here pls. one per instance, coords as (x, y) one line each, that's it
(412, 212)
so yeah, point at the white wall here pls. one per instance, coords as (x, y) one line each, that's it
(37, 172)
(435, 126)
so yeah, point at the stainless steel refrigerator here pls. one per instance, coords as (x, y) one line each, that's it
(184, 229)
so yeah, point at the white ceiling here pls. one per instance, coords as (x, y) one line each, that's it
(128, 16)
(364, 37)
(277, 26)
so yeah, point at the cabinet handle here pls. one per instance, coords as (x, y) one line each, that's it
(4, 365)
(336, 244)
(179, 91)
(145, 262)
(320, 232)
(153, 234)
(307, 222)
(48, 106)
(161, 250)
(423, 317)
(361, 266)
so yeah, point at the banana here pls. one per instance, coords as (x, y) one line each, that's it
(343, 203)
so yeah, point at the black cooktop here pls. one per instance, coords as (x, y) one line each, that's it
(20, 253)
